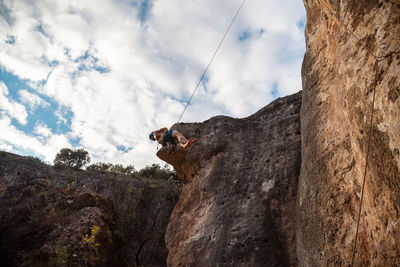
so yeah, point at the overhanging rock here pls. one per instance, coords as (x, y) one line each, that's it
(238, 201)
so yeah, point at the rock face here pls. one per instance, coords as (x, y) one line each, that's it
(63, 217)
(341, 72)
(237, 206)
(243, 202)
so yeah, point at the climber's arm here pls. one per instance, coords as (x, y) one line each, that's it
(160, 130)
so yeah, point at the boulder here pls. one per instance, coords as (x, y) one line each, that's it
(237, 206)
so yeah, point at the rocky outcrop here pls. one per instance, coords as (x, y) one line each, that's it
(243, 202)
(240, 179)
(237, 206)
(352, 53)
(65, 217)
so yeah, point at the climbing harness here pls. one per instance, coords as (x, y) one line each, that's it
(377, 59)
(211, 60)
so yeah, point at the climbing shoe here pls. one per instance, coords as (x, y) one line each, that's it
(190, 142)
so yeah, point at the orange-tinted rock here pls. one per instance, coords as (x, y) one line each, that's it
(340, 73)
(237, 206)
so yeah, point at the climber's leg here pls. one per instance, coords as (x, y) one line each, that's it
(179, 138)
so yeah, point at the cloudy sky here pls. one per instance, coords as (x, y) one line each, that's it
(102, 74)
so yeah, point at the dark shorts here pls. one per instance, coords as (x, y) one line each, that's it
(169, 138)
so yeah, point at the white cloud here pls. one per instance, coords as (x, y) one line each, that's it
(42, 130)
(5, 147)
(10, 107)
(121, 78)
(45, 145)
(32, 100)
(24, 57)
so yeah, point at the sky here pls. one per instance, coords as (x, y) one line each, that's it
(101, 75)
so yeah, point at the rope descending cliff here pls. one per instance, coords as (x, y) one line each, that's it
(211, 60)
(369, 137)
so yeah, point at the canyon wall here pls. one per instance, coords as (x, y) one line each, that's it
(352, 53)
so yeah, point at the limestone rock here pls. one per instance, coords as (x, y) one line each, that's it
(237, 206)
(352, 52)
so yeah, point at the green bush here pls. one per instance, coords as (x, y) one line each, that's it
(156, 172)
(118, 168)
(100, 167)
(75, 159)
(108, 167)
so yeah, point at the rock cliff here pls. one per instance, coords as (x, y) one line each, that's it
(65, 217)
(352, 53)
(279, 188)
(237, 206)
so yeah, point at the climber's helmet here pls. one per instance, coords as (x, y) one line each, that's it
(151, 136)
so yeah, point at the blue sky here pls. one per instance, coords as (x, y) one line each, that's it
(41, 113)
(102, 74)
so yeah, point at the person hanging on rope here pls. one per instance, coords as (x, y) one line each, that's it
(164, 136)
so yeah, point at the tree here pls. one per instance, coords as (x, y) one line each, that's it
(156, 172)
(72, 158)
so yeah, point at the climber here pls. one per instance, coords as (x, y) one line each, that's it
(164, 136)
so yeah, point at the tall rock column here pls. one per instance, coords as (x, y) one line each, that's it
(352, 50)
(237, 206)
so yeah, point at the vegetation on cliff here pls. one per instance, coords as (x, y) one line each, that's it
(96, 217)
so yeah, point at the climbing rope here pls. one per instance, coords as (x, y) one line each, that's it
(364, 178)
(367, 152)
(211, 60)
(377, 59)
